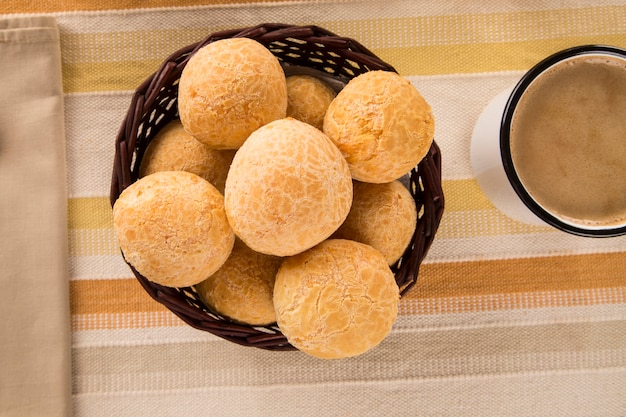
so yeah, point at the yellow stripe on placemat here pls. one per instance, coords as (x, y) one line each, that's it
(399, 32)
(418, 60)
(89, 213)
(466, 27)
(423, 45)
(468, 213)
(464, 195)
(106, 76)
(483, 57)
(96, 212)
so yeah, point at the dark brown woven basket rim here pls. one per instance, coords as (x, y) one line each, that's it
(154, 104)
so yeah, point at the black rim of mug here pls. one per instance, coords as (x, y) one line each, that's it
(505, 147)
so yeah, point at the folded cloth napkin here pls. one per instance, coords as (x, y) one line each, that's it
(35, 366)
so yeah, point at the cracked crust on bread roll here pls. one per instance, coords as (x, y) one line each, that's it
(242, 289)
(336, 300)
(228, 89)
(382, 125)
(173, 149)
(383, 216)
(288, 188)
(308, 98)
(172, 228)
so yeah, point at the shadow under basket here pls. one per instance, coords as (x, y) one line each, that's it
(154, 104)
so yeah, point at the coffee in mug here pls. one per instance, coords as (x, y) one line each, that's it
(563, 140)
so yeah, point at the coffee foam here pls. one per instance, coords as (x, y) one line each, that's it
(568, 140)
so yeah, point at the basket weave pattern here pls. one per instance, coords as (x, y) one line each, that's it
(154, 104)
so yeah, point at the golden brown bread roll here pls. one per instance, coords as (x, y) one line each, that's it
(308, 98)
(242, 289)
(173, 149)
(228, 89)
(336, 300)
(383, 216)
(288, 188)
(381, 124)
(172, 228)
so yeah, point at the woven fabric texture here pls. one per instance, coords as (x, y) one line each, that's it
(506, 319)
(34, 300)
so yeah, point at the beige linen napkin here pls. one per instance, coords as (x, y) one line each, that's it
(35, 367)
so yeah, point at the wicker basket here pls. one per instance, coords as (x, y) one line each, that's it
(154, 104)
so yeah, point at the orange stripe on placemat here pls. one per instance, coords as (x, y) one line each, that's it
(551, 273)
(110, 296)
(408, 307)
(437, 280)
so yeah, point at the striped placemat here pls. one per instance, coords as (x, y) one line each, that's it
(506, 319)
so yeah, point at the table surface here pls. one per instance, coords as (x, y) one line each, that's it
(506, 318)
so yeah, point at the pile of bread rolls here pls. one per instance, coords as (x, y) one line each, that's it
(278, 199)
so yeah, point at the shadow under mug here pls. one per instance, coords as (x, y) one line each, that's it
(537, 206)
